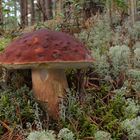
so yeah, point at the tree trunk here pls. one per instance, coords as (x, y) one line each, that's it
(54, 8)
(45, 6)
(45, 16)
(132, 10)
(15, 8)
(59, 6)
(109, 11)
(41, 9)
(32, 12)
(24, 12)
(1, 15)
(48, 9)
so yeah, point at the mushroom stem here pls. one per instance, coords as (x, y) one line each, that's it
(49, 87)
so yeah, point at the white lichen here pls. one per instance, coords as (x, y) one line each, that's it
(65, 134)
(42, 135)
(132, 127)
(102, 135)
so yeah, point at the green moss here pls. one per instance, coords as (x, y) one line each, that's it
(16, 107)
(4, 42)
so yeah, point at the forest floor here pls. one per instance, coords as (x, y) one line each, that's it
(103, 101)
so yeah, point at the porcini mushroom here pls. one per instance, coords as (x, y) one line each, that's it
(47, 53)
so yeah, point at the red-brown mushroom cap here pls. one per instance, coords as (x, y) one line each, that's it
(45, 48)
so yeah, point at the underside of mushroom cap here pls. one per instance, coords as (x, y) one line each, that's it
(45, 48)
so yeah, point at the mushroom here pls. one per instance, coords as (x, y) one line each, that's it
(48, 53)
